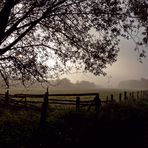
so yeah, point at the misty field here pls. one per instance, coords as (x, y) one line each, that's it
(103, 92)
(104, 95)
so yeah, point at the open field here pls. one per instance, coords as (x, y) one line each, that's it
(118, 125)
(66, 99)
(115, 125)
(103, 92)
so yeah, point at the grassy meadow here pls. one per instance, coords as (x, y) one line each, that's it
(117, 125)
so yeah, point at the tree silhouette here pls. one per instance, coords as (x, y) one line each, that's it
(33, 31)
(140, 10)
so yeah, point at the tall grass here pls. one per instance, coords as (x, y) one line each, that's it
(115, 125)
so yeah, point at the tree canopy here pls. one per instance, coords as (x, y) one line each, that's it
(31, 32)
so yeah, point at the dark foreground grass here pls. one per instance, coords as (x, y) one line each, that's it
(116, 125)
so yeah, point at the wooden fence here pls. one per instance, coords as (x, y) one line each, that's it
(46, 99)
(78, 102)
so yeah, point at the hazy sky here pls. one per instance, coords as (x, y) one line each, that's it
(126, 67)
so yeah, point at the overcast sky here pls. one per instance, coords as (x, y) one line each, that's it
(125, 68)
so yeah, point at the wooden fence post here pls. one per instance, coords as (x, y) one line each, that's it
(112, 97)
(120, 97)
(130, 94)
(141, 93)
(125, 96)
(77, 104)
(44, 110)
(97, 103)
(7, 97)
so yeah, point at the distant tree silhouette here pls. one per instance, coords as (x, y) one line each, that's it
(33, 31)
(80, 85)
(85, 85)
(65, 83)
(134, 84)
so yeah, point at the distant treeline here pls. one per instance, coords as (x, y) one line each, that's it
(67, 84)
(60, 84)
(134, 84)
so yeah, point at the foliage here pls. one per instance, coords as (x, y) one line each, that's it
(31, 32)
(140, 10)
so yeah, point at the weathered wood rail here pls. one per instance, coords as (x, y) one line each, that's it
(46, 99)
(23, 98)
(38, 99)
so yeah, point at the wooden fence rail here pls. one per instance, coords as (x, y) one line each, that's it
(23, 98)
(77, 102)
